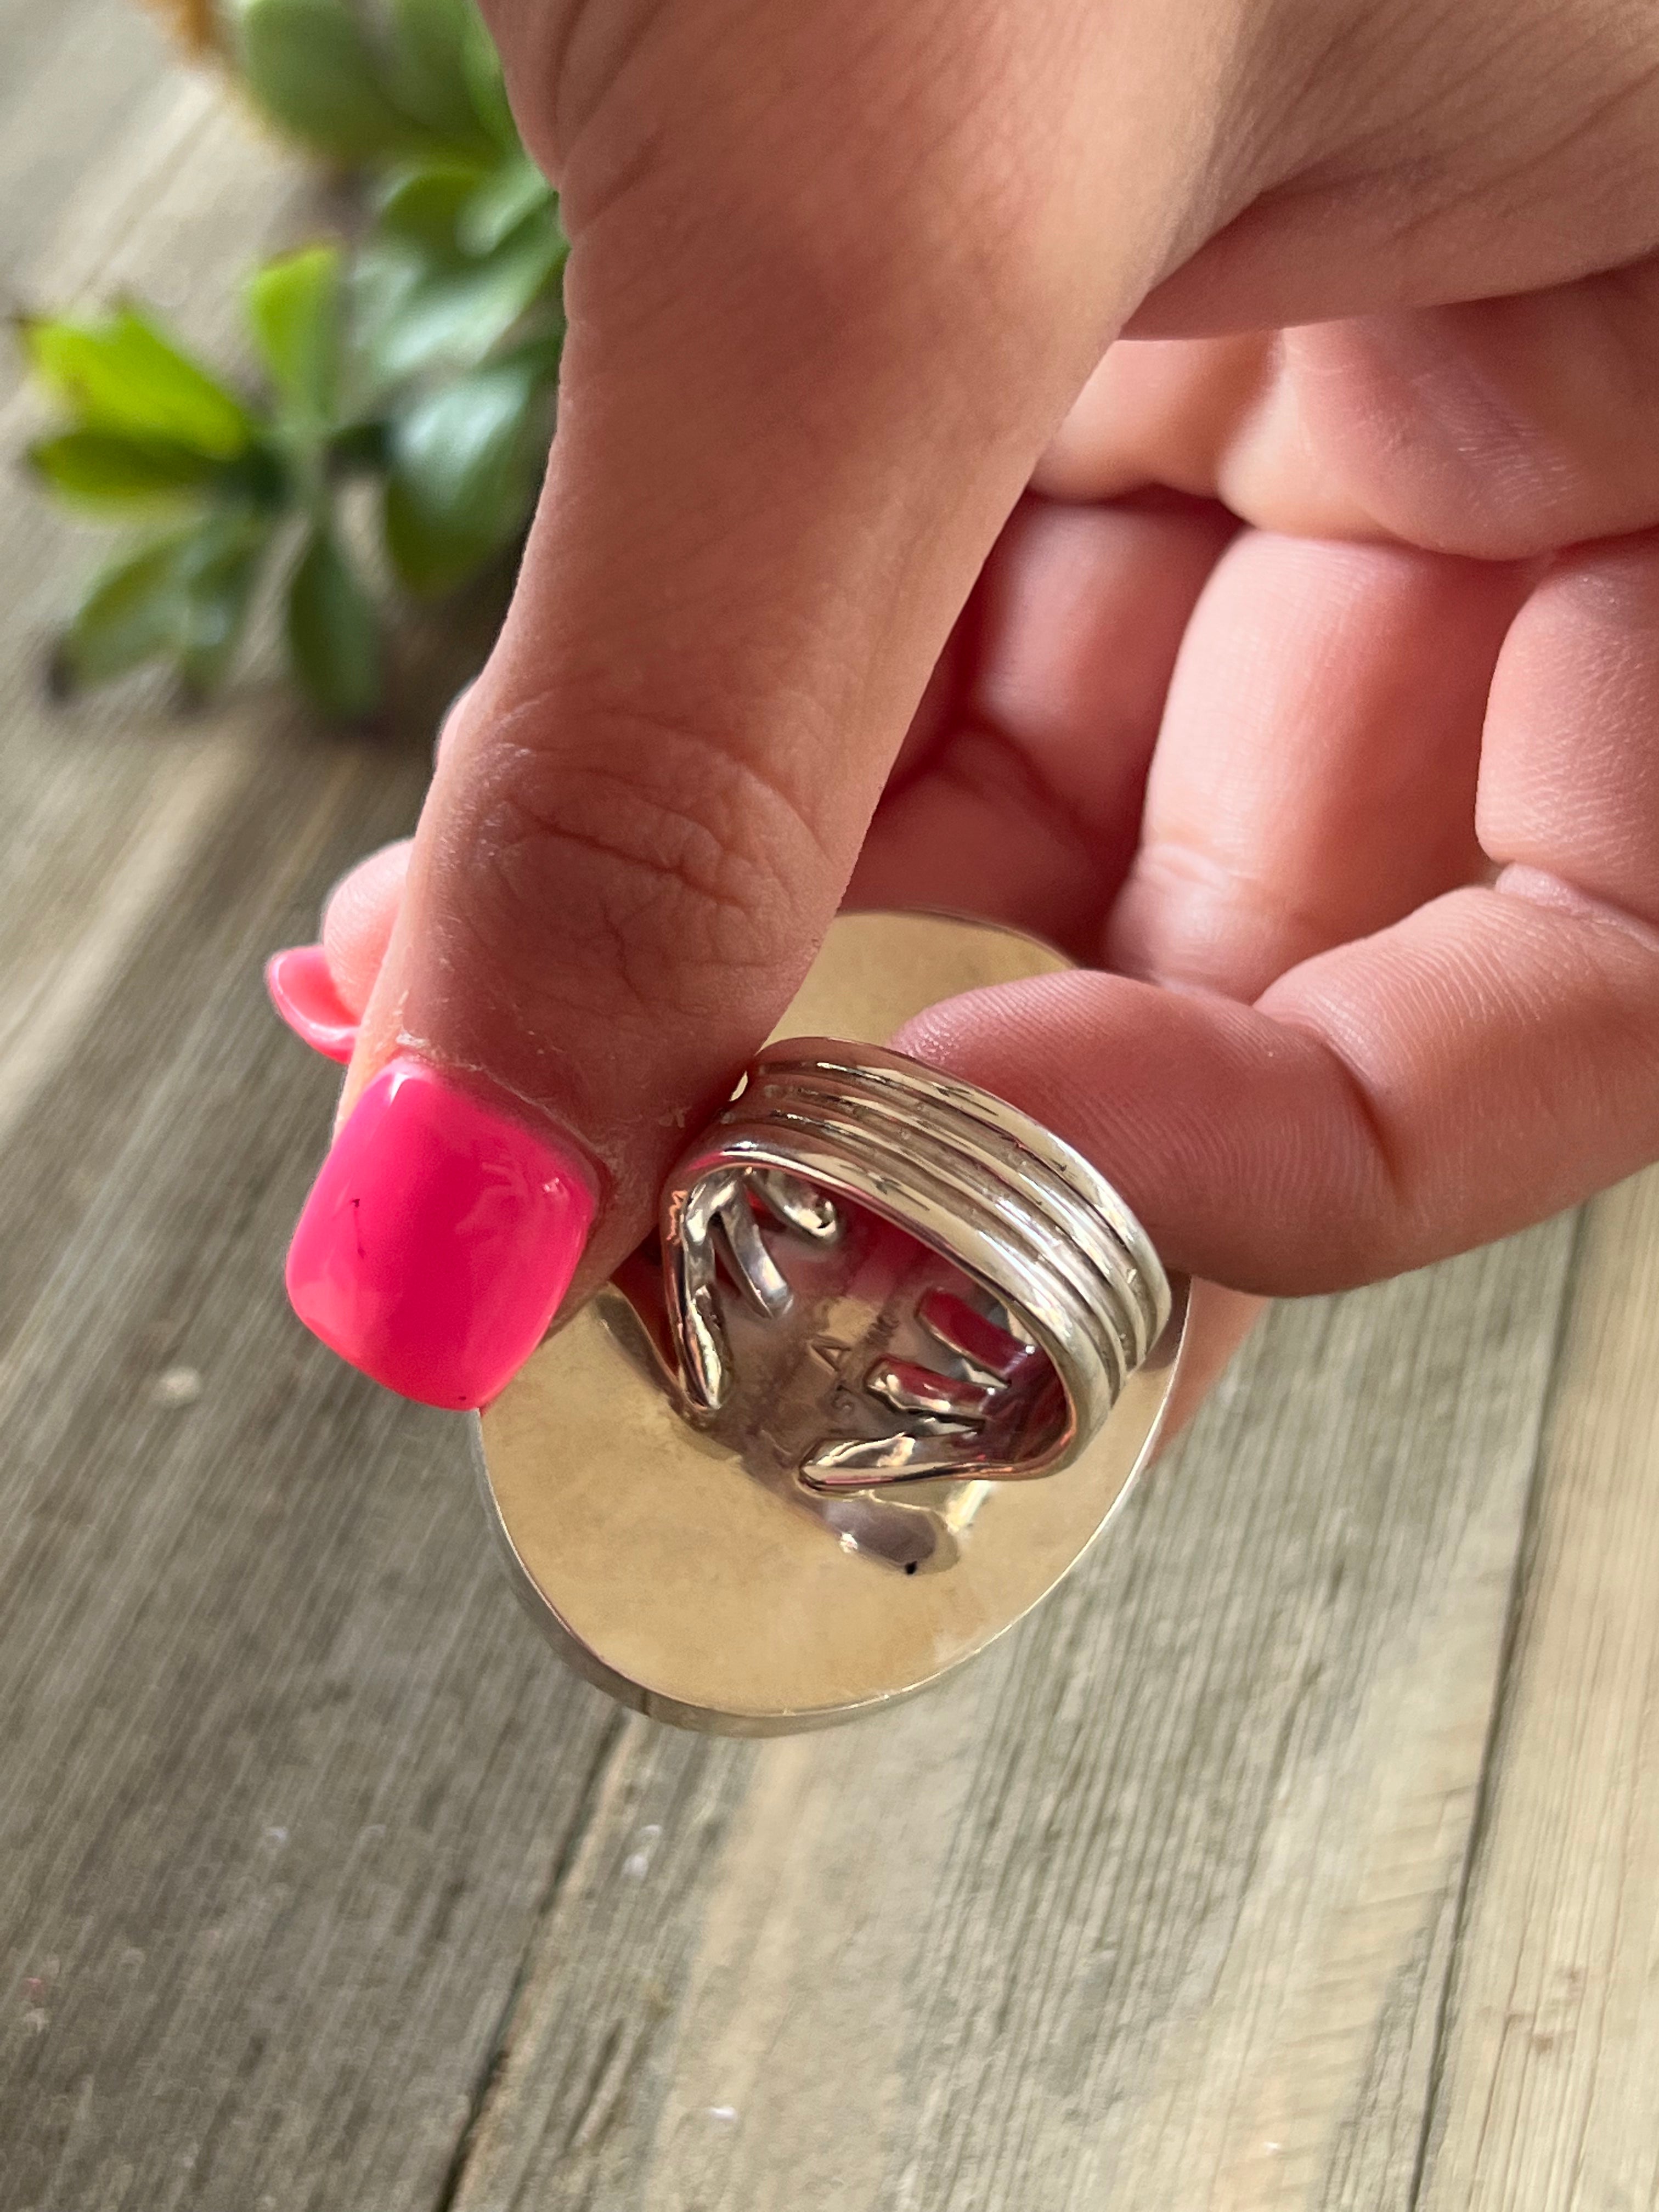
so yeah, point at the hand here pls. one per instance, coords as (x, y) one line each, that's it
(1311, 691)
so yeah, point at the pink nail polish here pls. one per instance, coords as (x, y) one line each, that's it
(303, 991)
(438, 1240)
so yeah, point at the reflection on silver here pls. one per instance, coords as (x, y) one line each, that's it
(1003, 1363)
(884, 1270)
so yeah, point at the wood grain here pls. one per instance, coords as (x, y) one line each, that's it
(1154, 1905)
(1549, 2089)
(76, 76)
(286, 1779)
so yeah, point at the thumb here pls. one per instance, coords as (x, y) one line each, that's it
(820, 328)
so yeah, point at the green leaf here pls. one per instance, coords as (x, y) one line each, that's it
(122, 374)
(423, 206)
(133, 613)
(430, 43)
(333, 637)
(103, 470)
(313, 69)
(294, 306)
(466, 460)
(220, 581)
(509, 193)
(458, 255)
(414, 318)
(488, 87)
(183, 597)
(360, 449)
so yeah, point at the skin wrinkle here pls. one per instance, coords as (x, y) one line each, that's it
(1348, 437)
(633, 1014)
(1296, 69)
(1272, 415)
(1450, 995)
(854, 249)
(1592, 127)
(1030, 682)
(1382, 434)
(1324, 1199)
(1551, 477)
(1231, 884)
(1540, 887)
(849, 301)
(569, 49)
(988, 765)
(1387, 176)
(668, 851)
(1457, 90)
(1511, 467)
(778, 647)
(701, 760)
(1587, 646)
(1217, 923)
(1396, 1205)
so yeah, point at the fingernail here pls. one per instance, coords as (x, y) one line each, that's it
(438, 1240)
(303, 991)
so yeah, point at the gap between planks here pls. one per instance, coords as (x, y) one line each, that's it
(1154, 1904)
(1547, 2097)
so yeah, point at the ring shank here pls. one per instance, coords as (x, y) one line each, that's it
(1028, 1220)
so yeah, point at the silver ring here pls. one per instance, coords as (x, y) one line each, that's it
(710, 1480)
(1062, 1295)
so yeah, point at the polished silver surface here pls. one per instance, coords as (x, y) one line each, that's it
(1010, 1368)
(881, 1380)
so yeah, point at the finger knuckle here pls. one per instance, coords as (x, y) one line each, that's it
(650, 875)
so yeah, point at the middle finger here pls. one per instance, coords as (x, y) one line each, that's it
(1022, 800)
(1315, 775)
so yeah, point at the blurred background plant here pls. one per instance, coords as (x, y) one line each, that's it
(413, 364)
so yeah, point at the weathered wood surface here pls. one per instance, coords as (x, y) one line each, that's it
(1549, 2091)
(284, 1783)
(1154, 1905)
(1299, 1855)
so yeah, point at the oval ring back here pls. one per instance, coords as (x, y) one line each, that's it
(724, 1567)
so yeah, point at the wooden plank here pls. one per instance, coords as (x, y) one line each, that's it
(109, 803)
(1152, 1906)
(73, 75)
(1549, 2083)
(105, 801)
(286, 1778)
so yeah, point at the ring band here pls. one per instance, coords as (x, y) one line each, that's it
(1059, 1265)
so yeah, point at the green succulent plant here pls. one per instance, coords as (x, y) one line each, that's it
(419, 358)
